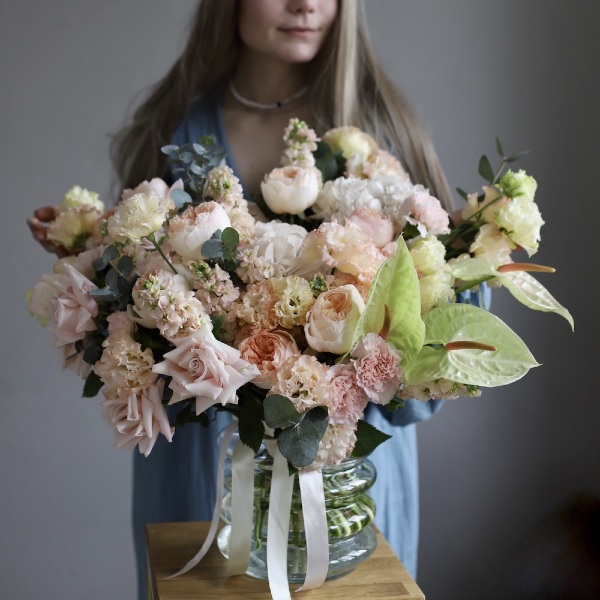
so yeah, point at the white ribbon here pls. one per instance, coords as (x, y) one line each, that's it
(219, 497)
(242, 502)
(315, 529)
(278, 527)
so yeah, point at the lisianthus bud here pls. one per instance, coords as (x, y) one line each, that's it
(518, 184)
(291, 189)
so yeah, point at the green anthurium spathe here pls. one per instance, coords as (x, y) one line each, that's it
(488, 368)
(395, 300)
(523, 286)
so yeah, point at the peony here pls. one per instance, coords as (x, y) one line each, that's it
(137, 417)
(137, 217)
(520, 220)
(196, 225)
(268, 350)
(206, 369)
(378, 369)
(72, 308)
(291, 189)
(331, 321)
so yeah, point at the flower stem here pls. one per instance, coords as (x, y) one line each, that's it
(159, 249)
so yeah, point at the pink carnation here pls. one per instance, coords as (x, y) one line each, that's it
(378, 369)
(426, 213)
(347, 400)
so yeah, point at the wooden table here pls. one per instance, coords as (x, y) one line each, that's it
(170, 545)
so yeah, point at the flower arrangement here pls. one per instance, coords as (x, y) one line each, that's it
(341, 285)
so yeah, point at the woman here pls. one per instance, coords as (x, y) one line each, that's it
(247, 68)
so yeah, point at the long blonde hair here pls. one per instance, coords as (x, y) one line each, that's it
(350, 88)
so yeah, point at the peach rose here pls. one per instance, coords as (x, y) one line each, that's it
(267, 350)
(291, 189)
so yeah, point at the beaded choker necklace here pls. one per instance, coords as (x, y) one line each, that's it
(263, 106)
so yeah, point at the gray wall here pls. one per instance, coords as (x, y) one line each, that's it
(490, 468)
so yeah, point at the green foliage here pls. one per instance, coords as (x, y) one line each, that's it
(280, 412)
(300, 443)
(367, 439)
(92, 385)
(331, 164)
(222, 248)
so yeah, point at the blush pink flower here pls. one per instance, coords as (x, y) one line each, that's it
(337, 444)
(378, 369)
(426, 213)
(204, 368)
(137, 417)
(347, 400)
(268, 350)
(378, 227)
(73, 309)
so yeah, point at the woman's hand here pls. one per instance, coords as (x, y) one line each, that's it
(38, 224)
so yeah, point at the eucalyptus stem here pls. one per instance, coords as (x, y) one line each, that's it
(159, 249)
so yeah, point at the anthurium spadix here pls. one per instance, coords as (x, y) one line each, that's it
(394, 305)
(458, 323)
(525, 288)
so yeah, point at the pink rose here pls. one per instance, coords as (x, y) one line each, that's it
(268, 350)
(205, 368)
(378, 227)
(331, 321)
(137, 417)
(426, 213)
(189, 230)
(73, 309)
(378, 369)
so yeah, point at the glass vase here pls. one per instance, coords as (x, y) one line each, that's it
(349, 512)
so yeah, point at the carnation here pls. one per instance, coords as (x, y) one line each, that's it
(436, 289)
(78, 197)
(72, 228)
(347, 399)
(136, 217)
(520, 220)
(256, 307)
(337, 444)
(428, 255)
(425, 212)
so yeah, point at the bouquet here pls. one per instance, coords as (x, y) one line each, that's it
(340, 286)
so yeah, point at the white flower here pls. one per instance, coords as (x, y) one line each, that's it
(428, 255)
(277, 244)
(521, 221)
(78, 197)
(291, 189)
(137, 217)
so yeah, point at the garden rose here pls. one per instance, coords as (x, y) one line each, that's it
(291, 189)
(196, 225)
(268, 350)
(204, 368)
(331, 321)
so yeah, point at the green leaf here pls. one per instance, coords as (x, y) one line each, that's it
(280, 412)
(485, 169)
(331, 165)
(110, 253)
(251, 427)
(212, 249)
(499, 148)
(464, 322)
(533, 294)
(300, 444)
(125, 265)
(230, 238)
(180, 198)
(367, 439)
(396, 286)
(92, 385)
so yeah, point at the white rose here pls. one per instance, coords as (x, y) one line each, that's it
(332, 320)
(196, 225)
(291, 189)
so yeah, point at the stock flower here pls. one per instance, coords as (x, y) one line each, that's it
(196, 225)
(331, 321)
(206, 369)
(137, 417)
(291, 189)
(521, 221)
(267, 350)
(378, 369)
(137, 217)
(301, 379)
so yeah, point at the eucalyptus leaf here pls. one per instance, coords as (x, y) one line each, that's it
(464, 322)
(251, 427)
(93, 384)
(300, 444)
(180, 198)
(395, 288)
(279, 411)
(125, 265)
(169, 149)
(367, 439)
(485, 169)
(499, 148)
(230, 238)
(533, 294)
(212, 249)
